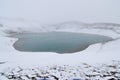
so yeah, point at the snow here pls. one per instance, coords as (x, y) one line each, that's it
(62, 72)
(97, 62)
(94, 54)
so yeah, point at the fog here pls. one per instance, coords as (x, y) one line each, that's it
(55, 11)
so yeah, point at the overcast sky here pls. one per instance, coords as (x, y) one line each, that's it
(55, 11)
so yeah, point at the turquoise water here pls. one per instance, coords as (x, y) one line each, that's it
(60, 42)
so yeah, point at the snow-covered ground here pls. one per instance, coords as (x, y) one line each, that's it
(95, 54)
(109, 71)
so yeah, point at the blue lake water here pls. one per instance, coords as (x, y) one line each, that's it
(60, 42)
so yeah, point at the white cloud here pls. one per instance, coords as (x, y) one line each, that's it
(52, 11)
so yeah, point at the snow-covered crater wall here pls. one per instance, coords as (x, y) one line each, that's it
(13, 27)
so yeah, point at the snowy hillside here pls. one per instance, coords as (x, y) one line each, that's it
(94, 54)
(20, 26)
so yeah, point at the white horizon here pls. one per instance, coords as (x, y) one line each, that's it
(56, 11)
